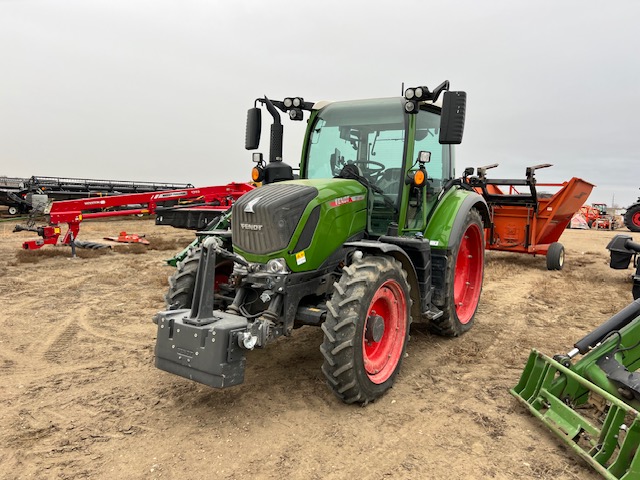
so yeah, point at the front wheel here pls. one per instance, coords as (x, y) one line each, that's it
(366, 330)
(13, 210)
(183, 281)
(463, 279)
(632, 218)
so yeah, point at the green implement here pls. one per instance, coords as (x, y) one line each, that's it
(592, 403)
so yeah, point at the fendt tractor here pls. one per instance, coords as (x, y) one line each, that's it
(376, 233)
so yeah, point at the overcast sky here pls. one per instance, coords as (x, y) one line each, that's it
(158, 90)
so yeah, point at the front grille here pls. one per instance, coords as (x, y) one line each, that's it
(264, 219)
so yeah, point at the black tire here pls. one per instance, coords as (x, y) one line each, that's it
(555, 256)
(13, 210)
(182, 282)
(632, 218)
(467, 263)
(367, 329)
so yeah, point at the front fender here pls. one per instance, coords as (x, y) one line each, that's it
(373, 246)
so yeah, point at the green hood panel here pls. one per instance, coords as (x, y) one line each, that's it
(338, 210)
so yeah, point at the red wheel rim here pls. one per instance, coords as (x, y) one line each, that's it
(635, 219)
(467, 281)
(218, 279)
(223, 272)
(382, 357)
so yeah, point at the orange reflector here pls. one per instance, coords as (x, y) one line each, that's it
(418, 178)
(255, 174)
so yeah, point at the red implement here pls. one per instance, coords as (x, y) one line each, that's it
(529, 222)
(125, 237)
(72, 212)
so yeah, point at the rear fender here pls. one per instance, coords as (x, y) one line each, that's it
(374, 247)
(445, 230)
(447, 222)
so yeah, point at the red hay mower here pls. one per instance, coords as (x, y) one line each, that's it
(73, 212)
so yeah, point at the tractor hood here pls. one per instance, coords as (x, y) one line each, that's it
(302, 221)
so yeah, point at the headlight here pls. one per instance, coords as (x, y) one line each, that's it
(277, 265)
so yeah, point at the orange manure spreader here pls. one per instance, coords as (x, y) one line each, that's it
(527, 221)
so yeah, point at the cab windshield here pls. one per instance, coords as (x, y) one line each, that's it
(368, 134)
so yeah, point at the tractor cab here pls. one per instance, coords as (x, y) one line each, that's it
(398, 148)
(378, 144)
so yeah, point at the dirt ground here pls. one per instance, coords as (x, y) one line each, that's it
(81, 398)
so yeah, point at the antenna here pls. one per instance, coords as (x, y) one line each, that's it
(402, 89)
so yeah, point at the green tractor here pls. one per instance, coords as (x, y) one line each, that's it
(376, 233)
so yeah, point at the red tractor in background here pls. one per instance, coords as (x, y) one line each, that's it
(604, 220)
(598, 216)
(590, 214)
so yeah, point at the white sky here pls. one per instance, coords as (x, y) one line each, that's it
(157, 90)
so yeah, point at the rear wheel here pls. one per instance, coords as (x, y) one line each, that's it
(555, 256)
(463, 280)
(182, 282)
(367, 328)
(632, 218)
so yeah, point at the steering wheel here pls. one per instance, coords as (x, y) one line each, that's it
(367, 163)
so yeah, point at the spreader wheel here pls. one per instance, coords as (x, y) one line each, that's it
(463, 280)
(183, 281)
(632, 218)
(555, 256)
(366, 330)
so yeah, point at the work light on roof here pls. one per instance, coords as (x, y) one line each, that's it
(418, 94)
(295, 114)
(295, 102)
(411, 106)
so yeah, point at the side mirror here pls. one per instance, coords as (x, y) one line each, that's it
(254, 127)
(454, 105)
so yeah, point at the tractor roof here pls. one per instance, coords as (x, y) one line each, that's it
(323, 103)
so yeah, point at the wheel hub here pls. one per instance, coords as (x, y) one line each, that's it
(375, 328)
